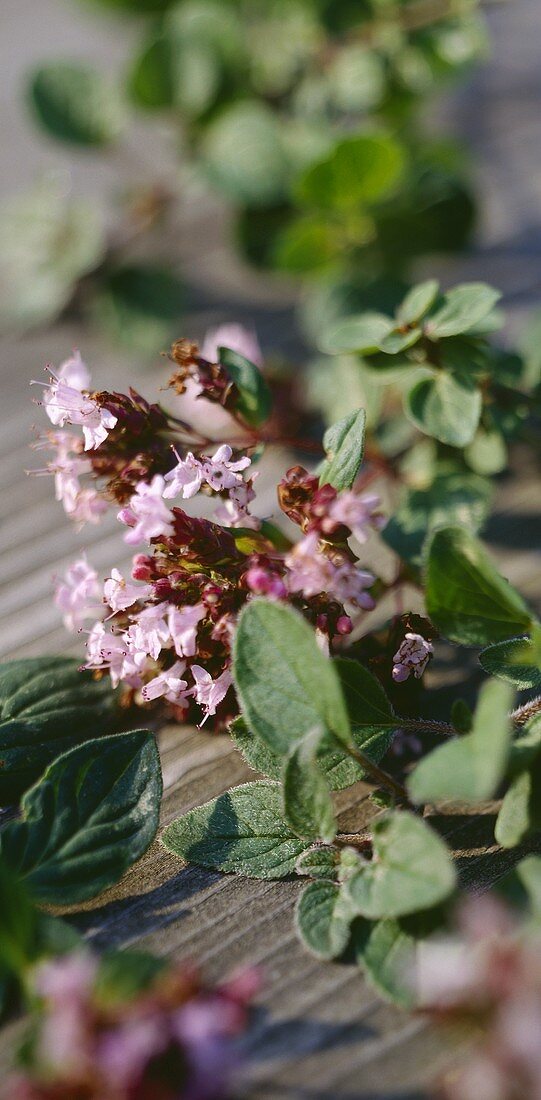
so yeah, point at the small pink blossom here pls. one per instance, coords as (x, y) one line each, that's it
(183, 623)
(109, 651)
(234, 512)
(220, 473)
(147, 515)
(412, 655)
(186, 477)
(66, 978)
(237, 338)
(312, 573)
(67, 402)
(358, 512)
(208, 692)
(77, 594)
(263, 582)
(169, 684)
(119, 594)
(149, 633)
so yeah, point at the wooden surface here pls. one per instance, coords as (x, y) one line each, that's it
(320, 1032)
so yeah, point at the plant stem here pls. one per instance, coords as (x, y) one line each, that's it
(528, 710)
(428, 725)
(378, 776)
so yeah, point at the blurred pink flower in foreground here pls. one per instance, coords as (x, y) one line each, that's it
(173, 1040)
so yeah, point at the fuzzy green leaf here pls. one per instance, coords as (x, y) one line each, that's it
(469, 768)
(411, 869)
(46, 705)
(362, 334)
(318, 862)
(243, 831)
(286, 686)
(445, 407)
(513, 660)
(254, 402)
(344, 447)
(308, 807)
(88, 819)
(466, 598)
(464, 308)
(323, 917)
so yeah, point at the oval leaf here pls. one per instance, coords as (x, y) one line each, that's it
(254, 403)
(76, 104)
(513, 660)
(243, 831)
(463, 309)
(308, 807)
(411, 869)
(92, 814)
(323, 917)
(446, 408)
(466, 598)
(344, 447)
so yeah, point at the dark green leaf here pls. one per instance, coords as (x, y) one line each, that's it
(318, 862)
(411, 869)
(254, 403)
(344, 447)
(463, 308)
(466, 598)
(469, 768)
(529, 873)
(445, 407)
(286, 686)
(46, 705)
(458, 498)
(308, 807)
(151, 81)
(323, 917)
(76, 104)
(243, 831)
(18, 923)
(88, 819)
(513, 660)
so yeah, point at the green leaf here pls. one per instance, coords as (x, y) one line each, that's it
(318, 862)
(243, 831)
(308, 807)
(323, 918)
(469, 768)
(141, 304)
(372, 728)
(307, 244)
(463, 309)
(254, 403)
(466, 598)
(88, 819)
(445, 407)
(417, 302)
(513, 660)
(411, 869)
(245, 155)
(362, 334)
(360, 170)
(285, 684)
(344, 447)
(529, 874)
(18, 923)
(458, 498)
(76, 104)
(386, 952)
(487, 453)
(520, 810)
(46, 705)
(151, 82)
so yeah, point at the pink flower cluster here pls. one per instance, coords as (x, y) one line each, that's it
(174, 1040)
(165, 633)
(488, 978)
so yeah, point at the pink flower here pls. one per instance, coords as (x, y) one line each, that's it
(77, 594)
(120, 594)
(106, 650)
(183, 623)
(186, 477)
(354, 511)
(234, 336)
(234, 511)
(312, 573)
(168, 684)
(147, 515)
(66, 978)
(220, 473)
(208, 692)
(412, 655)
(265, 583)
(149, 633)
(66, 402)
